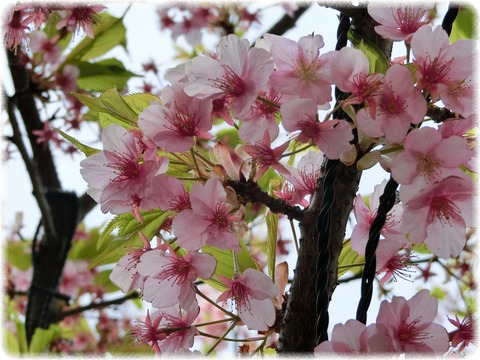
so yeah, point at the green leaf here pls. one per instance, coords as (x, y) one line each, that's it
(87, 150)
(225, 263)
(111, 103)
(128, 238)
(87, 248)
(109, 32)
(42, 338)
(272, 227)
(464, 26)
(376, 58)
(102, 75)
(18, 254)
(349, 260)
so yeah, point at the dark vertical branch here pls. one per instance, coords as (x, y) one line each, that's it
(59, 209)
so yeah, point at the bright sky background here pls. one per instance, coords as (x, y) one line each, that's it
(145, 42)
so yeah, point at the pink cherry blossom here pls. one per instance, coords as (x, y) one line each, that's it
(410, 325)
(169, 193)
(439, 214)
(304, 176)
(253, 293)
(116, 179)
(261, 117)
(15, 29)
(444, 69)
(40, 42)
(350, 72)
(67, 79)
(170, 277)
(354, 338)
(125, 274)
(48, 134)
(232, 164)
(76, 277)
(392, 261)
(332, 137)
(237, 72)
(212, 220)
(427, 155)
(300, 70)
(168, 330)
(464, 334)
(265, 157)
(80, 16)
(399, 22)
(399, 104)
(346, 339)
(174, 124)
(364, 215)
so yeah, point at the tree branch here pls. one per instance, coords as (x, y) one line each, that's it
(439, 114)
(249, 191)
(97, 305)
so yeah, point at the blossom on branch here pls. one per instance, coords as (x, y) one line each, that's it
(170, 277)
(253, 293)
(211, 220)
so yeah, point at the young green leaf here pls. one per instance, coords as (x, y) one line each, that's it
(376, 58)
(109, 33)
(127, 237)
(225, 263)
(87, 150)
(111, 103)
(464, 26)
(102, 75)
(42, 338)
(272, 227)
(349, 260)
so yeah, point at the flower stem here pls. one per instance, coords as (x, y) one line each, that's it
(232, 315)
(213, 322)
(297, 151)
(200, 175)
(222, 337)
(229, 339)
(268, 102)
(204, 159)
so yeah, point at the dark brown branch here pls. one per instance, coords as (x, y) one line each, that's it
(85, 205)
(440, 114)
(97, 305)
(249, 191)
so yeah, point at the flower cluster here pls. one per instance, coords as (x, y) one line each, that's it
(282, 85)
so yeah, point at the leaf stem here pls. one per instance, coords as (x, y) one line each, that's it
(232, 315)
(297, 151)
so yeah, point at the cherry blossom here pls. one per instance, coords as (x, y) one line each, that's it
(174, 124)
(237, 72)
(40, 43)
(464, 333)
(399, 104)
(46, 135)
(427, 155)
(232, 164)
(212, 220)
(445, 69)
(331, 137)
(350, 72)
(253, 293)
(169, 193)
(15, 29)
(354, 338)
(168, 330)
(410, 325)
(304, 176)
(261, 117)
(67, 79)
(439, 215)
(125, 274)
(399, 22)
(265, 157)
(170, 277)
(80, 16)
(116, 179)
(364, 215)
(300, 71)
(393, 261)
